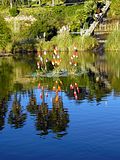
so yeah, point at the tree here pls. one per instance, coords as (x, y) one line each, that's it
(89, 6)
(5, 33)
(46, 23)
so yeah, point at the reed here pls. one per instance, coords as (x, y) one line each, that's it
(65, 42)
(113, 41)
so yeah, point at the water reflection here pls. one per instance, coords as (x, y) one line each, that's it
(101, 77)
(55, 119)
(59, 115)
(32, 107)
(49, 120)
(16, 116)
(43, 119)
(3, 110)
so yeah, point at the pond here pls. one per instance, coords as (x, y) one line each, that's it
(71, 117)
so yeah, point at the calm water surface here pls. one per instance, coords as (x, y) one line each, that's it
(59, 118)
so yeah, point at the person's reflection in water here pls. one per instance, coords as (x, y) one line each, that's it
(3, 110)
(16, 116)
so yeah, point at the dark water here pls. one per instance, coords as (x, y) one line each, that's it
(75, 117)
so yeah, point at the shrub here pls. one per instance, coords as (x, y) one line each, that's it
(14, 12)
(115, 9)
(113, 41)
(5, 33)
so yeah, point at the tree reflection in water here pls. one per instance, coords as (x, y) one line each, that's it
(16, 116)
(3, 110)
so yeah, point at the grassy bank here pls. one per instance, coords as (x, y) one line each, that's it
(115, 9)
(113, 41)
(66, 41)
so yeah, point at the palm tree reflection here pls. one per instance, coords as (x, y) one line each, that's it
(16, 116)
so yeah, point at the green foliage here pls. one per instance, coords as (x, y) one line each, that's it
(115, 8)
(5, 3)
(52, 19)
(5, 33)
(89, 6)
(65, 42)
(44, 24)
(113, 41)
(24, 46)
(49, 21)
(14, 12)
(84, 43)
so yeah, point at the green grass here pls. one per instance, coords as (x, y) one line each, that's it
(114, 9)
(67, 42)
(113, 41)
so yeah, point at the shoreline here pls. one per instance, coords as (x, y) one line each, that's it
(6, 54)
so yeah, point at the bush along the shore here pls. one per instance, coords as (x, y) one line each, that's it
(115, 9)
(64, 42)
(5, 34)
(67, 42)
(113, 41)
(14, 11)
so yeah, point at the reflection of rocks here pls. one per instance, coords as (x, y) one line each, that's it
(16, 116)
